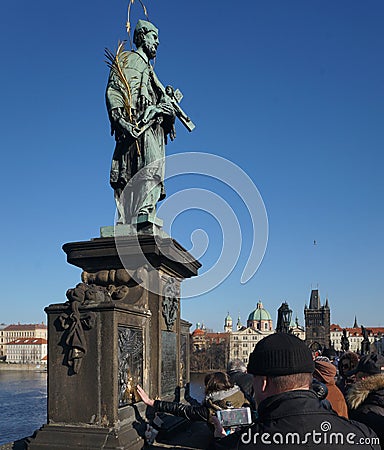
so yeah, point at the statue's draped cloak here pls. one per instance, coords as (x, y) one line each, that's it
(131, 155)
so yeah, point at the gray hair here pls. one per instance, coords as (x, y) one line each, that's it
(236, 365)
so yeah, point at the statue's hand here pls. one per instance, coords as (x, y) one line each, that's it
(115, 115)
(167, 110)
(118, 120)
(172, 133)
(126, 126)
(150, 113)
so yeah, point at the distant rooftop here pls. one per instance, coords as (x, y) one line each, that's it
(356, 331)
(26, 327)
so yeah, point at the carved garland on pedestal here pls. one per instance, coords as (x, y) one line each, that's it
(74, 323)
(170, 302)
(98, 287)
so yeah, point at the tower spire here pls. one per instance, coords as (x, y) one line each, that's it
(355, 325)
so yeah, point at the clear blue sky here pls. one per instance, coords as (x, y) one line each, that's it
(291, 91)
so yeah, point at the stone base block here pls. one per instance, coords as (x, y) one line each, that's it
(67, 437)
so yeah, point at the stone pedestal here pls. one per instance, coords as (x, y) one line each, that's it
(120, 326)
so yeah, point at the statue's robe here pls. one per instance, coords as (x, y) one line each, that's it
(137, 162)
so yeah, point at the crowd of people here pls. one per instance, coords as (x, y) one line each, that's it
(288, 397)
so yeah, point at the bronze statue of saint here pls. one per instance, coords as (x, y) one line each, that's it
(344, 341)
(365, 344)
(142, 116)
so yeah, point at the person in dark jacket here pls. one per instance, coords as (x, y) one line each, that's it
(237, 372)
(325, 372)
(220, 393)
(366, 397)
(347, 363)
(290, 414)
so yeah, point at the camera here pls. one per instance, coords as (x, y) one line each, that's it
(234, 417)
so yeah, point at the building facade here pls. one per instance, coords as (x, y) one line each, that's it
(242, 341)
(355, 337)
(20, 331)
(298, 330)
(209, 350)
(27, 351)
(237, 341)
(2, 341)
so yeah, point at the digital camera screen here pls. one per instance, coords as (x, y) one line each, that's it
(234, 417)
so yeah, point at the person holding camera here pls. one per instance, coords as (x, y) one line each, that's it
(290, 415)
(237, 372)
(220, 394)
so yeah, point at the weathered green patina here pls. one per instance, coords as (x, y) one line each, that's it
(142, 114)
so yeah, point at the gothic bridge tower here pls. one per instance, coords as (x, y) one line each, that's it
(317, 322)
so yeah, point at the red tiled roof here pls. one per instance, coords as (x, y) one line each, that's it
(25, 327)
(28, 341)
(44, 358)
(217, 337)
(357, 331)
(336, 327)
(198, 331)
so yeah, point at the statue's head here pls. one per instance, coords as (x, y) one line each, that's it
(169, 90)
(146, 36)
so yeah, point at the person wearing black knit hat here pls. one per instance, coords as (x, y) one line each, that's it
(280, 354)
(290, 413)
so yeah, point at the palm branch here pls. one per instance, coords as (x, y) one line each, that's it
(115, 62)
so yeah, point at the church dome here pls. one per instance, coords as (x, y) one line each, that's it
(259, 314)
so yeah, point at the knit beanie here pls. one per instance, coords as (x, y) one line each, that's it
(280, 354)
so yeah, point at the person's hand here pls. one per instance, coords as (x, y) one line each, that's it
(144, 396)
(219, 430)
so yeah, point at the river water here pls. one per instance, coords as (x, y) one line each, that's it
(23, 402)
